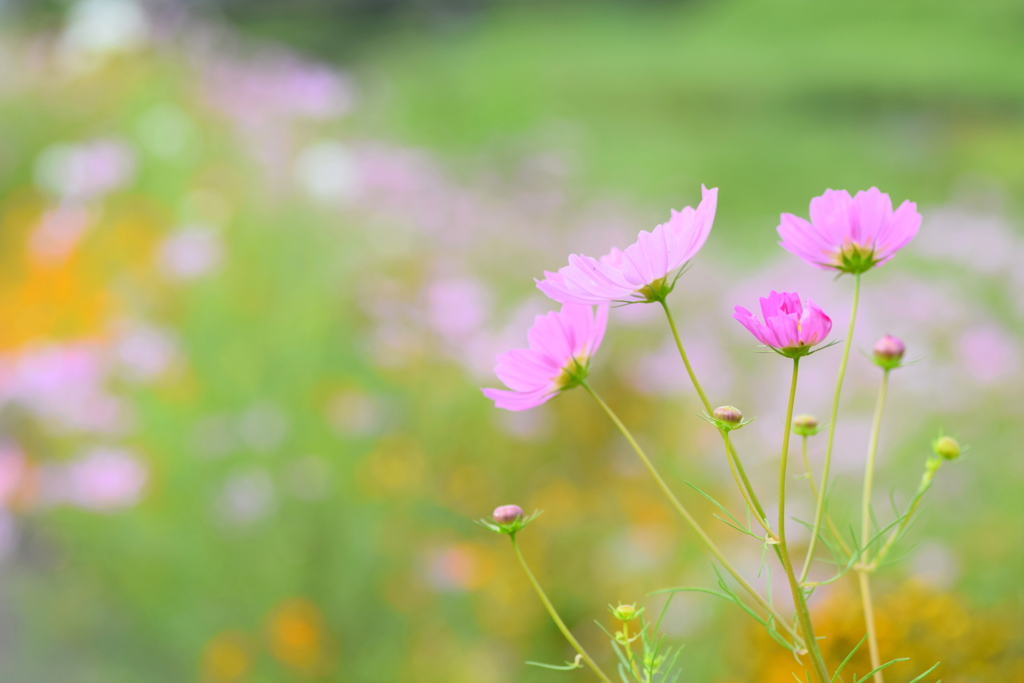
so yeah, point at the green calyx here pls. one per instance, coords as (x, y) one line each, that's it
(573, 374)
(626, 612)
(657, 290)
(511, 528)
(855, 259)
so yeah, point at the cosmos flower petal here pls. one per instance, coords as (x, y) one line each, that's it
(788, 327)
(621, 275)
(754, 326)
(518, 400)
(850, 234)
(561, 344)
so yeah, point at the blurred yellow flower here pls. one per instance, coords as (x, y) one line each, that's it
(915, 622)
(226, 658)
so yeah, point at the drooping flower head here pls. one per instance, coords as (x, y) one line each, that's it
(645, 270)
(850, 234)
(788, 327)
(558, 358)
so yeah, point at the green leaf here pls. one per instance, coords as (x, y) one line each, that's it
(879, 668)
(849, 657)
(919, 678)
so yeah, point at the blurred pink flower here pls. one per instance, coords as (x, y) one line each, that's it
(850, 234)
(85, 171)
(788, 327)
(12, 471)
(561, 345)
(641, 272)
(190, 252)
(105, 479)
(457, 307)
(989, 354)
(63, 385)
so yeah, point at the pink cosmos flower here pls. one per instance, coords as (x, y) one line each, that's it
(561, 345)
(788, 328)
(850, 234)
(641, 272)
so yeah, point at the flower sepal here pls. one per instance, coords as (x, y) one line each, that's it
(509, 520)
(626, 612)
(726, 418)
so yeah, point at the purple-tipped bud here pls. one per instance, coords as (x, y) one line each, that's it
(729, 415)
(946, 447)
(506, 514)
(888, 351)
(805, 425)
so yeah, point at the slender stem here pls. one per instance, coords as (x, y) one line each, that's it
(738, 473)
(869, 618)
(740, 476)
(554, 614)
(784, 461)
(686, 361)
(820, 508)
(689, 518)
(865, 530)
(629, 648)
(799, 598)
(809, 474)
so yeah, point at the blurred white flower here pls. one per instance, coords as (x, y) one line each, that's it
(327, 171)
(97, 28)
(144, 352)
(246, 497)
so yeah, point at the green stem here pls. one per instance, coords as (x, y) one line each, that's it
(809, 473)
(799, 599)
(820, 508)
(688, 517)
(739, 474)
(686, 361)
(865, 530)
(554, 614)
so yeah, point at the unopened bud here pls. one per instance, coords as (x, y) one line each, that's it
(626, 612)
(946, 447)
(729, 415)
(805, 425)
(506, 514)
(888, 351)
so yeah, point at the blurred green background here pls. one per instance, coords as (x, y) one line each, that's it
(257, 258)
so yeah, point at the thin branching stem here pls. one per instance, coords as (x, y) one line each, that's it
(715, 552)
(820, 508)
(739, 473)
(809, 475)
(864, 578)
(554, 614)
(799, 598)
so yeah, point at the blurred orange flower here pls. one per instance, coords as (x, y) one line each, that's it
(297, 635)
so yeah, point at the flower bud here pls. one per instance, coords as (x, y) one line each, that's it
(888, 351)
(626, 612)
(506, 514)
(729, 415)
(946, 447)
(805, 425)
